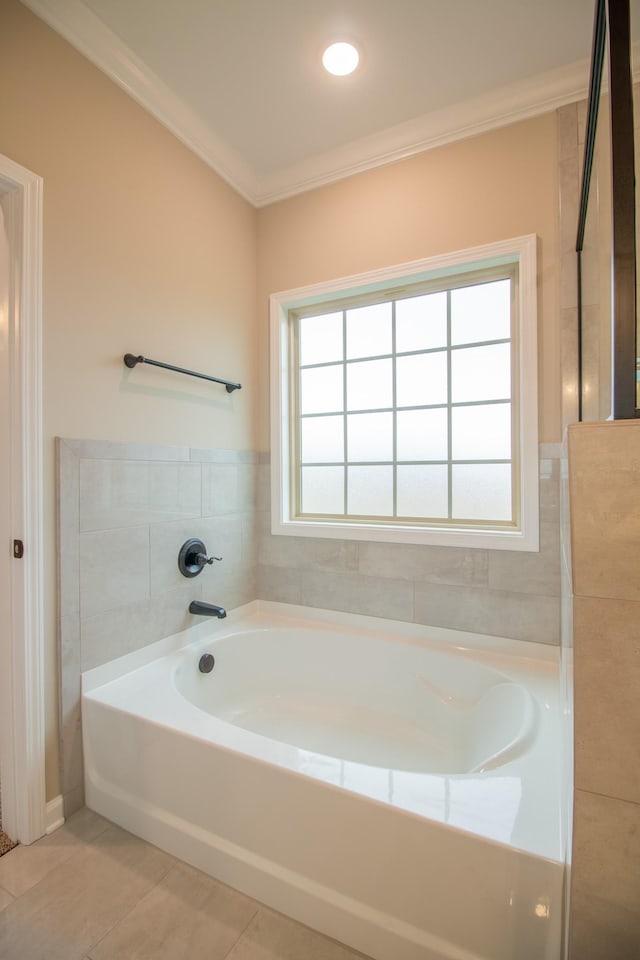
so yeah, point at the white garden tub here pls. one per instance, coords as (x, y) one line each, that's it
(394, 786)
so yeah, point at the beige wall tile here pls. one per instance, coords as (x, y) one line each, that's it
(68, 527)
(452, 565)
(113, 633)
(114, 569)
(281, 584)
(524, 572)
(604, 476)
(122, 493)
(550, 490)
(605, 897)
(354, 593)
(607, 700)
(496, 613)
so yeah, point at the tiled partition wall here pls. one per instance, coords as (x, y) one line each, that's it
(497, 592)
(604, 477)
(124, 512)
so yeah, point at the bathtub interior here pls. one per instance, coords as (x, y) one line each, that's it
(362, 698)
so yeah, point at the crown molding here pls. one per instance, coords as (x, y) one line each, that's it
(499, 108)
(91, 37)
(520, 101)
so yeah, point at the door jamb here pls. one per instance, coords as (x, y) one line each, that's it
(22, 701)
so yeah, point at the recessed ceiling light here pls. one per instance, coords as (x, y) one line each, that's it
(340, 59)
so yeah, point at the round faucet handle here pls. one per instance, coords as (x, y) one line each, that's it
(193, 558)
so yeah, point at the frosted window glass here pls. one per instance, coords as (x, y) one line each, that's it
(322, 439)
(421, 380)
(423, 491)
(481, 312)
(421, 322)
(369, 385)
(482, 433)
(481, 491)
(322, 490)
(370, 491)
(370, 436)
(481, 373)
(422, 435)
(320, 338)
(321, 390)
(369, 331)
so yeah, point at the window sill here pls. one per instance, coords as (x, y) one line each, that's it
(486, 539)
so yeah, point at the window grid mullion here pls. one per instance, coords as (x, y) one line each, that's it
(409, 353)
(344, 410)
(394, 419)
(449, 415)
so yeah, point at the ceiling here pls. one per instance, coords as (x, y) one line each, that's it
(241, 81)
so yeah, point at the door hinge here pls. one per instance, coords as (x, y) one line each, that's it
(18, 549)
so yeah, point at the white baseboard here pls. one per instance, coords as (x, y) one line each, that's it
(54, 816)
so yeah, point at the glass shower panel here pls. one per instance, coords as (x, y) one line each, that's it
(596, 281)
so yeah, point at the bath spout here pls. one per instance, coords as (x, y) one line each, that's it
(207, 609)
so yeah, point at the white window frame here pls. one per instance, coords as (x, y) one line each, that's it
(520, 251)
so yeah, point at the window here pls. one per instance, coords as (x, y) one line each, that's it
(404, 403)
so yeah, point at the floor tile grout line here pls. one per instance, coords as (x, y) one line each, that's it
(76, 848)
(4, 890)
(45, 877)
(146, 893)
(244, 929)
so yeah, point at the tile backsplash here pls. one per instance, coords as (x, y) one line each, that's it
(499, 592)
(126, 509)
(124, 512)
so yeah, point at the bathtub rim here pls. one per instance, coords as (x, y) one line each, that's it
(484, 647)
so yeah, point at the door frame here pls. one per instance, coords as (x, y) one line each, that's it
(22, 701)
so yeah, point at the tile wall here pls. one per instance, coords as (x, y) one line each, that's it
(497, 592)
(604, 478)
(124, 512)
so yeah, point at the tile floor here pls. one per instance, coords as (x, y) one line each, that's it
(91, 891)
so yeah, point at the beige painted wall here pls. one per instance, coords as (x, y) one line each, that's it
(146, 250)
(498, 185)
